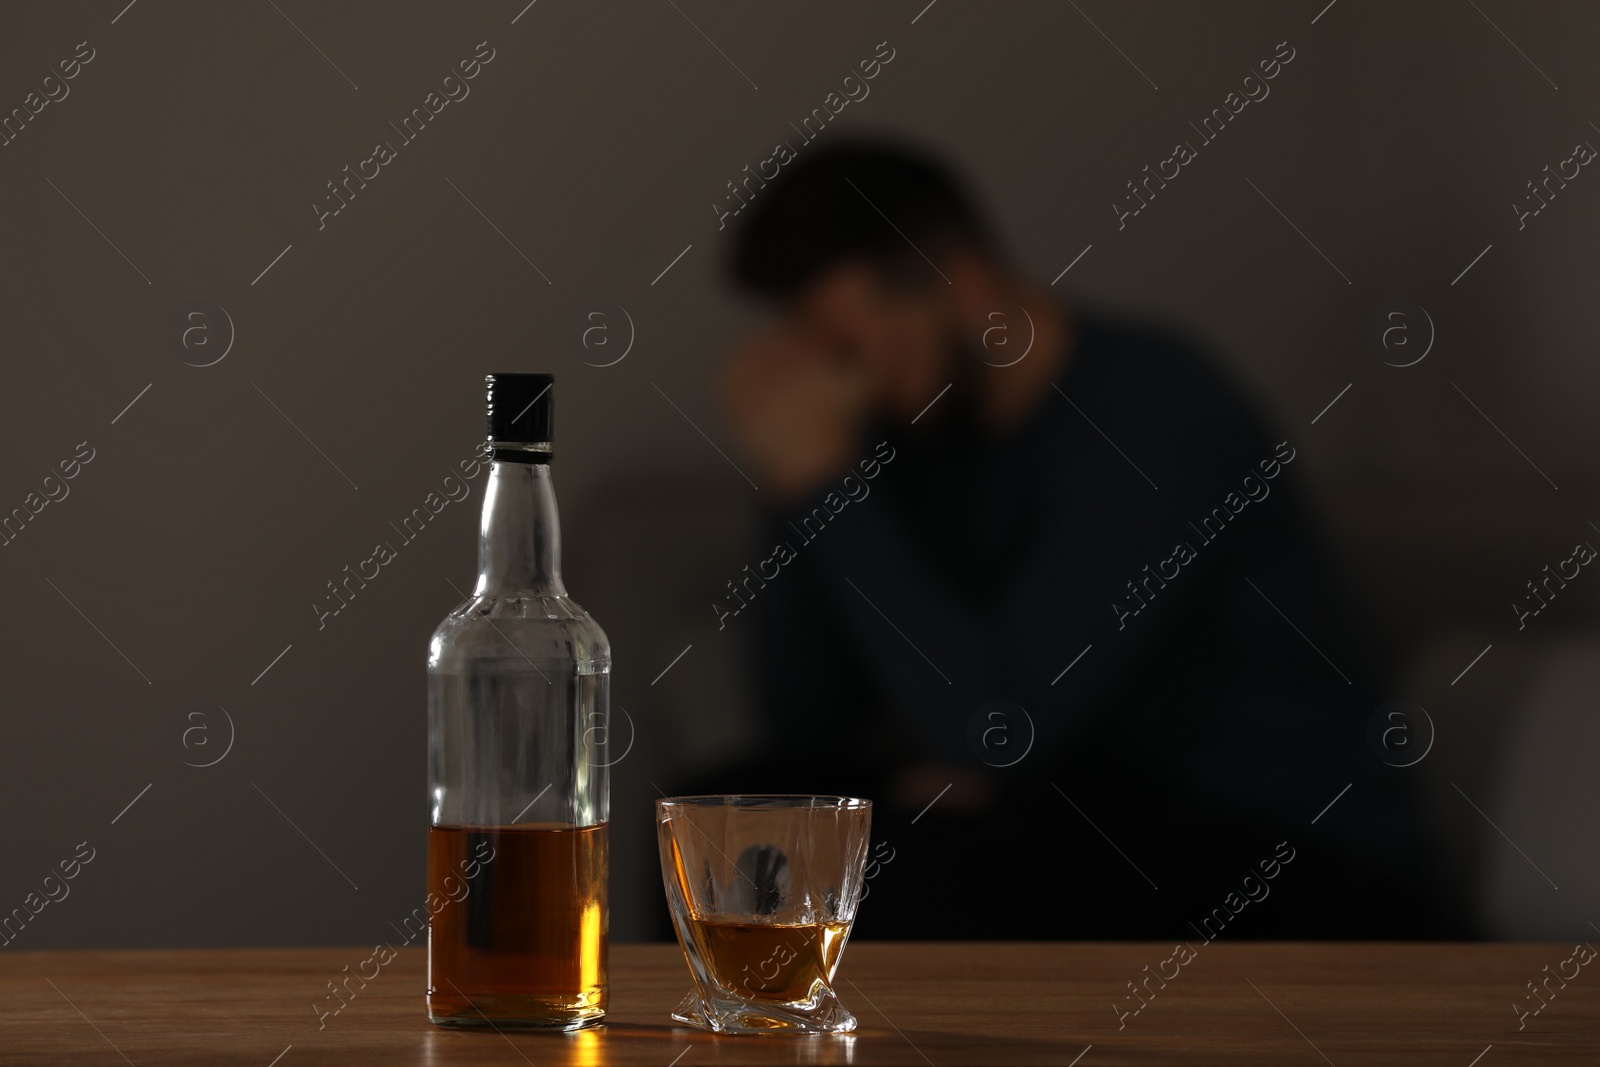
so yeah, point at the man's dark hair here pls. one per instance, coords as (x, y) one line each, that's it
(854, 201)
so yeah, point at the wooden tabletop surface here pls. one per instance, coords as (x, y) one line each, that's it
(919, 1004)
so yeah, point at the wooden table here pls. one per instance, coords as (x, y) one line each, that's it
(940, 1004)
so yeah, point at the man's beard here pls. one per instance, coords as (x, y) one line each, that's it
(957, 411)
(951, 421)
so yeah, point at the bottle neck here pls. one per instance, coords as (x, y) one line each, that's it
(519, 538)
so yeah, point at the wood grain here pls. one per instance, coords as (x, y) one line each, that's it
(941, 1004)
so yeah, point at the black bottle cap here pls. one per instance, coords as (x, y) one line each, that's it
(521, 408)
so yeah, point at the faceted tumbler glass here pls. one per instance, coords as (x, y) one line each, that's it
(763, 891)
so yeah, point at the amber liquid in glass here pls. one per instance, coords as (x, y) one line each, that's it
(770, 961)
(524, 943)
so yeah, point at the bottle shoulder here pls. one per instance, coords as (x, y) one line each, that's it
(522, 605)
(515, 626)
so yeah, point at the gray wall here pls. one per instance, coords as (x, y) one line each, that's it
(190, 550)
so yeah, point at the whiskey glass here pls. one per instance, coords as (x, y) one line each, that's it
(763, 890)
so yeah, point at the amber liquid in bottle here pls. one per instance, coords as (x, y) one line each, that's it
(523, 941)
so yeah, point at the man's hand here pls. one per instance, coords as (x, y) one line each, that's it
(796, 409)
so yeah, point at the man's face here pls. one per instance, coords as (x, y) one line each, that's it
(904, 340)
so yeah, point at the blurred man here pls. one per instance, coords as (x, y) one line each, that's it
(1042, 585)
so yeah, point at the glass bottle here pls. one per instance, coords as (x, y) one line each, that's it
(518, 780)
